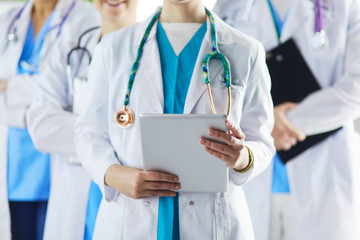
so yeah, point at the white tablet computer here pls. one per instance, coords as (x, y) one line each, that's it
(171, 144)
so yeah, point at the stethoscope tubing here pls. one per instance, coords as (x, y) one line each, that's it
(319, 23)
(12, 30)
(125, 117)
(68, 58)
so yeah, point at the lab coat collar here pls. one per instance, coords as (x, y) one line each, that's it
(298, 14)
(61, 9)
(222, 29)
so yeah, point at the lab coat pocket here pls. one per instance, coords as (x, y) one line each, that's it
(110, 219)
(220, 96)
(80, 95)
(222, 218)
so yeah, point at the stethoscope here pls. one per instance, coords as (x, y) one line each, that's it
(13, 37)
(77, 48)
(320, 38)
(124, 118)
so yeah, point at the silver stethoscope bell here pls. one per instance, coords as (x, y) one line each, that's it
(12, 37)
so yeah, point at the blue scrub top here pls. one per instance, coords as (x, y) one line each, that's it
(176, 72)
(28, 170)
(280, 179)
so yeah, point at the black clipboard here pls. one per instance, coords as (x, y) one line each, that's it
(292, 81)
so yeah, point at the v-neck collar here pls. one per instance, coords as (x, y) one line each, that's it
(188, 55)
(194, 41)
(278, 22)
(177, 71)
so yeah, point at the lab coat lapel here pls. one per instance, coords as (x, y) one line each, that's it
(298, 14)
(13, 53)
(61, 10)
(197, 85)
(150, 67)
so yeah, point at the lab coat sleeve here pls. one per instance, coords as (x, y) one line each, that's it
(92, 139)
(257, 119)
(16, 99)
(50, 123)
(331, 107)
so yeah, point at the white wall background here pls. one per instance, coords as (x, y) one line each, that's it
(145, 7)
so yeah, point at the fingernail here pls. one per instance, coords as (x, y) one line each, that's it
(177, 187)
(202, 141)
(176, 179)
(211, 132)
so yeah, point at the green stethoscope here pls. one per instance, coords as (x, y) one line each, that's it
(125, 117)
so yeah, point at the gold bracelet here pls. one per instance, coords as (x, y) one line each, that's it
(251, 161)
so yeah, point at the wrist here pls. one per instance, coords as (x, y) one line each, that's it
(245, 162)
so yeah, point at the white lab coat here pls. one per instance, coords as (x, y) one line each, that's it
(323, 180)
(51, 121)
(17, 98)
(101, 143)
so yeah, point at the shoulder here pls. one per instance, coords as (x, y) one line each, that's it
(122, 36)
(9, 16)
(83, 17)
(121, 42)
(239, 42)
(84, 14)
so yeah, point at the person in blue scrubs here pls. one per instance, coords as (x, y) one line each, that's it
(29, 170)
(114, 16)
(166, 52)
(176, 70)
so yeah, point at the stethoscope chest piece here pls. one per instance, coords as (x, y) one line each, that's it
(124, 117)
(320, 40)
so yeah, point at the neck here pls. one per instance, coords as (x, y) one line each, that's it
(188, 12)
(43, 8)
(109, 26)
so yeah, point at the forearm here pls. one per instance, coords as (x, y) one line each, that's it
(52, 129)
(97, 156)
(326, 110)
(10, 115)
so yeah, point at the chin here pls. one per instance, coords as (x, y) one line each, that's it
(112, 8)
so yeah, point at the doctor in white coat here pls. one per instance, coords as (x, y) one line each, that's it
(17, 90)
(61, 95)
(113, 156)
(323, 202)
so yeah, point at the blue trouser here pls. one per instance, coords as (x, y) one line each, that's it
(27, 220)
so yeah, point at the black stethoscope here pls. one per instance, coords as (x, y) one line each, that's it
(77, 48)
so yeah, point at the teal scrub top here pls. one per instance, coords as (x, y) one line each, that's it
(176, 73)
(280, 179)
(28, 170)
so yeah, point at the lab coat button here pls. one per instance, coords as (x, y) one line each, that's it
(191, 203)
(147, 203)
